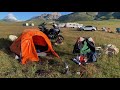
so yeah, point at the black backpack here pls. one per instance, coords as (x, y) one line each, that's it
(79, 45)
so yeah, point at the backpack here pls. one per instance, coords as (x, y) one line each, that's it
(86, 46)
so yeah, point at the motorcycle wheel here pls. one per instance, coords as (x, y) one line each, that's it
(60, 37)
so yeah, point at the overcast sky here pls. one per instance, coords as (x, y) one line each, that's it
(26, 15)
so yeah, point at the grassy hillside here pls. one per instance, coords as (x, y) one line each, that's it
(77, 16)
(105, 67)
(85, 16)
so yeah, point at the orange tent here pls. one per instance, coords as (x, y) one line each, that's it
(25, 45)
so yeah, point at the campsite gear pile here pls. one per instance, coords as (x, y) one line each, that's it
(99, 51)
(104, 29)
(85, 48)
(109, 30)
(80, 59)
(31, 39)
(53, 33)
(111, 50)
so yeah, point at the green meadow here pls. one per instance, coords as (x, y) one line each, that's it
(52, 67)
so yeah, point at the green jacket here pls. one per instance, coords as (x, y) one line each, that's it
(85, 49)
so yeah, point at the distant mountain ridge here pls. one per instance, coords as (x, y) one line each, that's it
(10, 18)
(52, 16)
(75, 16)
(86, 16)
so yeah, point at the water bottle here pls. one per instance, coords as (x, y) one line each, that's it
(66, 68)
(67, 71)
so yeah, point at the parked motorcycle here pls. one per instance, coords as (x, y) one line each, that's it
(53, 33)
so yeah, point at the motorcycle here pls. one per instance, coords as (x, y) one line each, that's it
(53, 33)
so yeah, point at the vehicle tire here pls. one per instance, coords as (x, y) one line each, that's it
(93, 29)
(61, 37)
(81, 29)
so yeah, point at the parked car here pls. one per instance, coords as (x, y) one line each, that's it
(88, 28)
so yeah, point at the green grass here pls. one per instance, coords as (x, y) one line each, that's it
(105, 67)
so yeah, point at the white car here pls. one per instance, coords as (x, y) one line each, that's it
(88, 28)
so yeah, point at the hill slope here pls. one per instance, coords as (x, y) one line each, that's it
(87, 16)
(52, 16)
(78, 16)
(10, 18)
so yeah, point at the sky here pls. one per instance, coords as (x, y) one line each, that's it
(26, 15)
